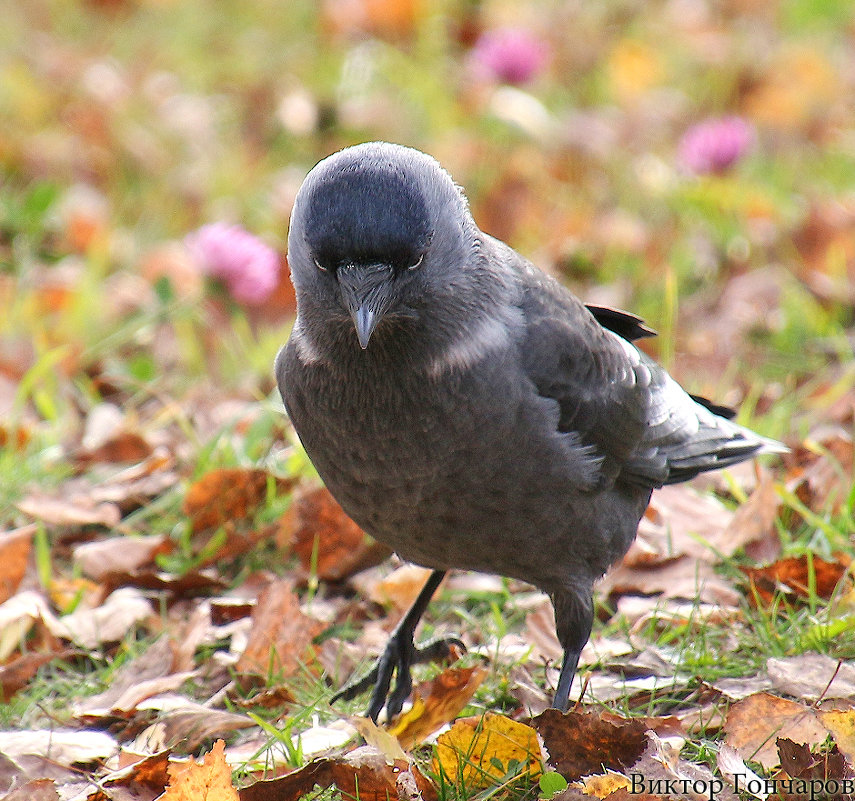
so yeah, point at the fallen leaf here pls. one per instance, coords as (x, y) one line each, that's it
(291, 786)
(119, 554)
(841, 724)
(733, 769)
(225, 495)
(604, 784)
(210, 781)
(681, 521)
(810, 676)
(70, 511)
(282, 635)
(796, 577)
(15, 547)
(187, 585)
(154, 663)
(684, 577)
(327, 542)
(401, 587)
(35, 790)
(437, 702)
(143, 780)
(16, 674)
(64, 746)
(123, 446)
(583, 743)
(183, 722)
(754, 724)
(367, 773)
(380, 739)
(753, 523)
(798, 761)
(110, 622)
(481, 751)
(661, 766)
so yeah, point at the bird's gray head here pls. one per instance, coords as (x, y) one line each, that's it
(377, 231)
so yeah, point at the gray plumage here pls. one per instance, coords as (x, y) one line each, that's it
(463, 407)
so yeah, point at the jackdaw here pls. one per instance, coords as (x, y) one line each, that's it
(465, 408)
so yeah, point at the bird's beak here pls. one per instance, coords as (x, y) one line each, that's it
(365, 319)
(366, 292)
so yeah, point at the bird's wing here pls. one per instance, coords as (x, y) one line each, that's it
(618, 400)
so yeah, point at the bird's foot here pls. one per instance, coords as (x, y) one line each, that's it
(399, 656)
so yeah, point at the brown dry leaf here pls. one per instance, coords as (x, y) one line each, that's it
(810, 676)
(841, 724)
(753, 524)
(72, 510)
(792, 577)
(134, 486)
(281, 640)
(477, 751)
(16, 674)
(401, 587)
(15, 547)
(35, 790)
(680, 521)
(182, 722)
(189, 584)
(684, 577)
(123, 446)
(210, 781)
(291, 786)
(754, 724)
(437, 702)
(225, 495)
(821, 469)
(661, 766)
(155, 663)
(327, 542)
(367, 773)
(143, 780)
(119, 554)
(110, 622)
(582, 743)
(799, 762)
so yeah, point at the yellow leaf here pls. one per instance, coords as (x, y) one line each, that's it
(210, 781)
(604, 784)
(437, 702)
(841, 724)
(479, 752)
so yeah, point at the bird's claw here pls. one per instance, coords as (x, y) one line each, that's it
(399, 656)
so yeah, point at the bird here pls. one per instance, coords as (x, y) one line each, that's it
(465, 408)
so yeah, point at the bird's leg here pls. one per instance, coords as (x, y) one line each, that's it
(574, 616)
(400, 654)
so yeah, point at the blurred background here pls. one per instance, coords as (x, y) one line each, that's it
(689, 160)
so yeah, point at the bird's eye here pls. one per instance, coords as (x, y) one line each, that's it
(321, 267)
(417, 263)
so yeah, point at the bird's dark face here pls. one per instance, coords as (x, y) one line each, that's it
(371, 231)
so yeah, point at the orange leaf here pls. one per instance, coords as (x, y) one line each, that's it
(792, 577)
(281, 639)
(224, 495)
(436, 703)
(210, 781)
(326, 540)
